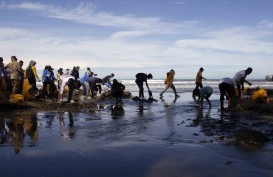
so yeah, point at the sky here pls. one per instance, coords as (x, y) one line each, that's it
(151, 36)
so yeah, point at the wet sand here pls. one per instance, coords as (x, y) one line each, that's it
(163, 138)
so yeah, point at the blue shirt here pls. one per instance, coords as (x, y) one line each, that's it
(84, 77)
(205, 91)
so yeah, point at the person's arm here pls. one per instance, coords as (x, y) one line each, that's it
(35, 72)
(208, 101)
(204, 78)
(147, 85)
(249, 83)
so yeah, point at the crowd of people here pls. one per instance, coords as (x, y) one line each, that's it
(16, 80)
(230, 88)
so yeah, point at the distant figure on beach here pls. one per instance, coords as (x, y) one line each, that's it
(198, 80)
(48, 79)
(82, 81)
(75, 73)
(106, 80)
(67, 71)
(22, 75)
(240, 79)
(1, 67)
(14, 69)
(169, 83)
(202, 93)
(117, 90)
(59, 73)
(3, 83)
(31, 74)
(91, 84)
(68, 80)
(199, 77)
(140, 78)
(228, 88)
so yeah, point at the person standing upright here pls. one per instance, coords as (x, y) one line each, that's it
(198, 81)
(15, 69)
(32, 75)
(199, 77)
(75, 73)
(169, 83)
(22, 75)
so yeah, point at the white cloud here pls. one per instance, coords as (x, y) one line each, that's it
(237, 40)
(86, 13)
(110, 52)
(227, 48)
(128, 34)
(26, 6)
(266, 23)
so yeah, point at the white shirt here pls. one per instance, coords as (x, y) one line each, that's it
(65, 78)
(239, 77)
(228, 81)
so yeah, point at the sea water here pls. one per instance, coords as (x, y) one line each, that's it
(157, 86)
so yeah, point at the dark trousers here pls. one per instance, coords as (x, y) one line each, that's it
(71, 86)
(227, 90)
(141, 89)
(198, 85)
(52, 87)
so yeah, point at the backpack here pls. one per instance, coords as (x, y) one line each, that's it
(29, 72)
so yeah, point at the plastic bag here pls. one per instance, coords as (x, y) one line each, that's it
(16, 98)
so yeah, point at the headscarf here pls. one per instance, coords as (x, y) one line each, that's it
(32, 63)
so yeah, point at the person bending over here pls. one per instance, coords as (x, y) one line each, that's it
(70, 82)
(240, 79)
(117, 90)
(140, 78)
(228, 88)
(202, 93)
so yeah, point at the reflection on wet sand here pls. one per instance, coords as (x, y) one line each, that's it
(200, 115)
(67, 132)
(117, 110)
(14, 130)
